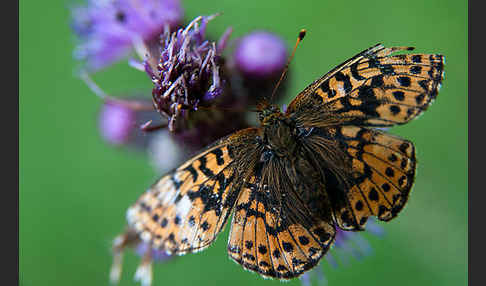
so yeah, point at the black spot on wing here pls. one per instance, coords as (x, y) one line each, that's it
(345, 80)
(387, 69)
(399, 95)
(287, 246)
(395, 109)
(219, 156)
(386, 187)
(415, 69)
(377, 81)
(404, 81)
(373, 194)
(262, 249)
(304, 240)
(204, 169)
(325, 86)
(417, 58)
(192, 171)
(354, 72)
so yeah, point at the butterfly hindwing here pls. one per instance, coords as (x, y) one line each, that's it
(383, 170)
(187, 208)
(273, 234)
(374, 88)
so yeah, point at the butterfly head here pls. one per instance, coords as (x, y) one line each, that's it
(268, 114)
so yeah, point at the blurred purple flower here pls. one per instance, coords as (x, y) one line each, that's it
(120, 120)
(116, 123)
(108, 29)
(187, 73)
(260, 55)
(157, 255)
(259, 59)
(347, 244)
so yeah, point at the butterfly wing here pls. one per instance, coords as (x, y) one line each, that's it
(282, 224)
(186, 209)
(373, 172)
(382, 170)
(374, 88)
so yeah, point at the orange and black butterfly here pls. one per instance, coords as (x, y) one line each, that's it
(290, 183)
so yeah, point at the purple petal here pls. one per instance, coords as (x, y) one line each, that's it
(223, 41)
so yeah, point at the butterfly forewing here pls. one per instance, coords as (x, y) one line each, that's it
(187, 208)
(373, 88)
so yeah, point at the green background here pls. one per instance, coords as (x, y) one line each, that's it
(74, 189)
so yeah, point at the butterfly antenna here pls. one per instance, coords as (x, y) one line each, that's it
(299, 39)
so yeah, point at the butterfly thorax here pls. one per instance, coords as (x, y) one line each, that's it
(278, 131)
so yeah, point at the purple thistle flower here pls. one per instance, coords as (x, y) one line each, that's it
(347, 244)
(108, 29)
(259, 59)
(119, 122)
(116, 123)
(260, 55)
(187, 72)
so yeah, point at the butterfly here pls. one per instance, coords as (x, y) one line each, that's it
(320, 165)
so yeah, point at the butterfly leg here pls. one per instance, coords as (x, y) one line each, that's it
(122, 241)
(144, 270)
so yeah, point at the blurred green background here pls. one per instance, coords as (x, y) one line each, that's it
(74, 189)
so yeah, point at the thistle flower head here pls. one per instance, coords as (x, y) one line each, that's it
(108, 29)
(187, 72)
